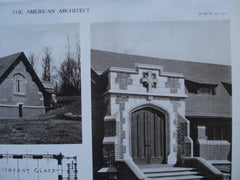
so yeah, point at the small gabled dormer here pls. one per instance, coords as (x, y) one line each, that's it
(200, 88)
(228, 87)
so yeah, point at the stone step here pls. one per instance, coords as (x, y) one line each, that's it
(155, 165)
(160, 172)
(172, 174)
(178, 178)
(170, 169)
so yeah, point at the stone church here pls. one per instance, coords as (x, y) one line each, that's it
(159, 113)
(21, 91)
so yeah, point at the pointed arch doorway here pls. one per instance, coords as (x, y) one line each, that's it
(148, 136)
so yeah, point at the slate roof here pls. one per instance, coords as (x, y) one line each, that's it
(49, 86)
(8, 63)
(219, 105)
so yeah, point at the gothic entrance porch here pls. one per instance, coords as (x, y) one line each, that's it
(144, 122)
(148, 136)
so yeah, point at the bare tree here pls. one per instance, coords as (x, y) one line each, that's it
(46, 64)
(70, 72)
(78, 64)
(33, 60)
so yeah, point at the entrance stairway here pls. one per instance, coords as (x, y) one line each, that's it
(168, 172)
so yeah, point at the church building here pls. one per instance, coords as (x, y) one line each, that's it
(21, 91)
(152, 112)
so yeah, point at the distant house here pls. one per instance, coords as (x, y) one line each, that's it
(21, 91)
(50, 99)
(158, 111)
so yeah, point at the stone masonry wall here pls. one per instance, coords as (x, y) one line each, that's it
(123, 80)
(32, 98)
(129, 90)
(173, 84)
(147, 86)
(185, 143)
(108, 155)
(9, 112)
(125, 104)
(121, 133)
(212, 149)
(136, 82)
(110, 128)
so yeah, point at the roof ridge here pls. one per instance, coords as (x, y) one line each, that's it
(15, 54)
(153, 57)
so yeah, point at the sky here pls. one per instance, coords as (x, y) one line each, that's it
(33, 39)
(200, 41)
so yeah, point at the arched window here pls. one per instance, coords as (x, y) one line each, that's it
(19, 84)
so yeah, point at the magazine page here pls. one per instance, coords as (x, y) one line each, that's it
(119, 90)
(235, 43)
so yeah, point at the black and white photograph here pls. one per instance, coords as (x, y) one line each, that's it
(40, 84)
(161, 100)
(119, 90)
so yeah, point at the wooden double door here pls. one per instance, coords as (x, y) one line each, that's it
(148, 136)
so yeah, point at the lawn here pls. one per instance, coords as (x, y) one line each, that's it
(40, 131)
(52, 128)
